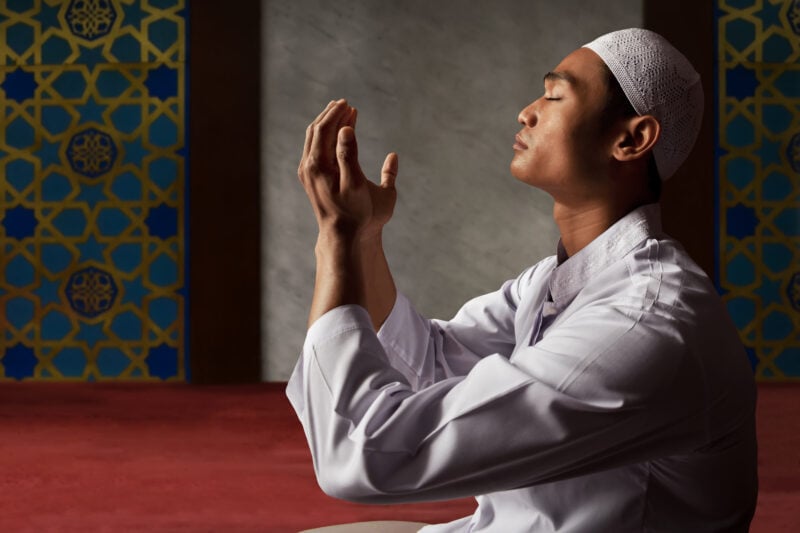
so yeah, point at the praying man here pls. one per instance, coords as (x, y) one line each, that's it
(604, 389)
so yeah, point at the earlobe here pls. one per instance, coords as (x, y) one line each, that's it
(638, 138)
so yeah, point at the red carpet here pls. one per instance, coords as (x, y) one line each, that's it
(177, 458)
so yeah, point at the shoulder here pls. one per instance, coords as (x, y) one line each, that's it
(656, 276)
(667, 281)
(647, 318)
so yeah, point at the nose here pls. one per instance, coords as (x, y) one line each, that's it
(527, 117)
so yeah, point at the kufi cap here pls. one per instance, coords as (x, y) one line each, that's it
(659, 81)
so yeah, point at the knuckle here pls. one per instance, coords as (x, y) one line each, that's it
(312, 165)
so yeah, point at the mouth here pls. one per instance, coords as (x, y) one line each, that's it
(519, 145)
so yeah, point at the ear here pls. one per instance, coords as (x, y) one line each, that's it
(637, 138)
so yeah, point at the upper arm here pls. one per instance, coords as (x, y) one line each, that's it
(427, 351)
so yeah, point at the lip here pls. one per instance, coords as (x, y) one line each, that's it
(519, 145)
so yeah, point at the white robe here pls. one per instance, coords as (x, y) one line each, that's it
(609, 392)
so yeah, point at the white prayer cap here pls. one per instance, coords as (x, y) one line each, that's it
(659, 81)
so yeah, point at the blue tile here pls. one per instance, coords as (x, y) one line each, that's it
(777, 256)
(20, 222)
(19, 174)
(162, 221)
(55, 326)
(56, 119)
(19, 362)
(20, 134)
(19, 312)
(19, 38)
(776, 326)
(127, 258)
(163, 271)
(742, 311)
(162, 361)
(740, 172)
(163, 312)
(112, 362)
(776, 187)
(56, 187)
(741, 82)
(56, 257)
(71, 362)
(19, 85)
(788, 221)
(741, 221)
(776, 49)
(788, 361)
(127, 326)
(776, 118)
(740, 33)
(55, 51)
(740, 271)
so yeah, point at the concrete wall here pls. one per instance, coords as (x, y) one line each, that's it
(441, 83)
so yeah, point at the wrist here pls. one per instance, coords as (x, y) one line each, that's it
(334, 239)
(366, 239)
(372, 240)
(337, 254)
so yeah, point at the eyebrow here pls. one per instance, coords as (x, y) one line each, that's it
(560, 76)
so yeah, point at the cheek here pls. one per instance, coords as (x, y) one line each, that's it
(541, 162)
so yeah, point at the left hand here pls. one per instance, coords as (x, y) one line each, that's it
(345, 202)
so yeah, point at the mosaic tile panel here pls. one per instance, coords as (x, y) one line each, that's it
(92, 201)
(758, 170)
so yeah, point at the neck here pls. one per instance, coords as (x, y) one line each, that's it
(580, 224)
(584, 212)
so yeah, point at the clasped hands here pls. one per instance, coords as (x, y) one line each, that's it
(347, 204)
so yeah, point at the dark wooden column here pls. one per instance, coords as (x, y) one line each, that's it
(688, 199)
(224, 192)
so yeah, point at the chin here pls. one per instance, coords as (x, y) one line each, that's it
(515, 170)
(522, 173)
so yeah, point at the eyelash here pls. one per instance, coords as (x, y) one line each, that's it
(551, 98)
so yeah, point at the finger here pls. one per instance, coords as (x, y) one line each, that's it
(310, 129)
(353, 117)
(389, 171)
(347, 155)
(325, 131)
(344, 119)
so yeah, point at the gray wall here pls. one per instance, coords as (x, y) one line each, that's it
(441, 83)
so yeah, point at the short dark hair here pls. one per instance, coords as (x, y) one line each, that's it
(619, 107)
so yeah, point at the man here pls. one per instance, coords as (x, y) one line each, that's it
(603, 389)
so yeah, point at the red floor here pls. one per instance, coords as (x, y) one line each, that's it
(120, 458)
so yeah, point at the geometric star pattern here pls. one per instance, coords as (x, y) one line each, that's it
(93, 211)
(758, 183)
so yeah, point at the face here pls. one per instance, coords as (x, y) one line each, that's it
(561, 147)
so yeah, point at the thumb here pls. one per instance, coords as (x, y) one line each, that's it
(389, 171)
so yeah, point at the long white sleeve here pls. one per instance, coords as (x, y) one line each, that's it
(426, 351)
(375, 439)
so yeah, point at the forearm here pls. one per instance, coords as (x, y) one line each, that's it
(378, 282)
(350, 273)
(339, 277)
